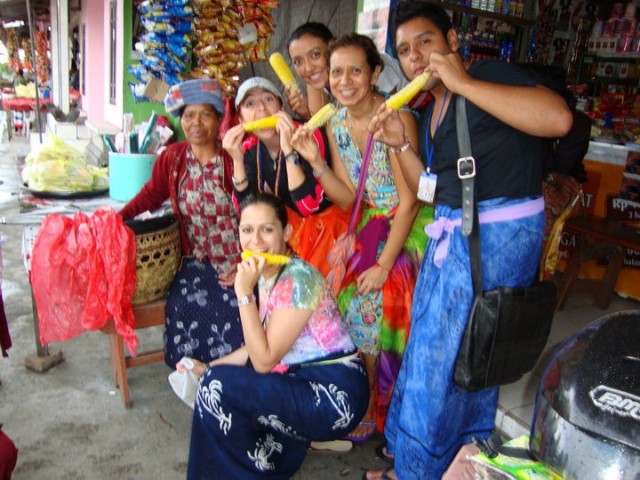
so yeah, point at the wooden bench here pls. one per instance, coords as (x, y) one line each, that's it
(146, 315)
(601, 240)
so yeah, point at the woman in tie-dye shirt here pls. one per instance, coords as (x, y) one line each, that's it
(297, 379)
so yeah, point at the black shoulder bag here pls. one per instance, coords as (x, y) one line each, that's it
(507, 328)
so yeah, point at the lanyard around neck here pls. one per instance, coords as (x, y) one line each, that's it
(428, 141)
(278, 169)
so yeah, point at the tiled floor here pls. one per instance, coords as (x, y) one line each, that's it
(517, 400)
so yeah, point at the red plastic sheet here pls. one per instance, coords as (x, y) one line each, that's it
(83, 273)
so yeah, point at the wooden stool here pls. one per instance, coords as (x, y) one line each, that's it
(598, 239)
(145, 315)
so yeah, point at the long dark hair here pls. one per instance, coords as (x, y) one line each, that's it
(315, 29)
(270, 201)
(410, 9)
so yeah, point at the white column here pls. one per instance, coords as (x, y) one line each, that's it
(60, 61)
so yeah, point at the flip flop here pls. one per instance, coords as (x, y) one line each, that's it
(381, 452)
(383, 476)
(332, 446)
(366, 436)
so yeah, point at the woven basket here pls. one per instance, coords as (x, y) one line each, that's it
(157, 260)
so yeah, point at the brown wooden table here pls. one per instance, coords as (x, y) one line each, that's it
(601, 240)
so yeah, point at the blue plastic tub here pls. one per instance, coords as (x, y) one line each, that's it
(128, 172)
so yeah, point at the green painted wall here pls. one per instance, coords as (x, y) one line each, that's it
(141, 111)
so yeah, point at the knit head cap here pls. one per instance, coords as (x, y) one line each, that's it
(194, 92)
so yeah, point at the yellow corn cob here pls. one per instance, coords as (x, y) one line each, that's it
(261, 124)
(321, 117)
(402, 97)
(279, 65)
(272, 259)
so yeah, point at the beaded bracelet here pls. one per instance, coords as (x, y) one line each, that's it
(402, 148)
(321, 172)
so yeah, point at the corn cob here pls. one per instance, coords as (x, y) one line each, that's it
(261, 124)
(279, 65)
(321, 117)
(271, 258)
(402, 97)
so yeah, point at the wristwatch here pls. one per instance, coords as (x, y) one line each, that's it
(293, 156)
(246, 300)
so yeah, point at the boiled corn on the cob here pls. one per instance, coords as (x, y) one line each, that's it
(402, 97)
(321, 117)
(279, 65)
(261, 124)
(271, 258)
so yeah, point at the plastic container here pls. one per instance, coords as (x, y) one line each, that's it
(128, 172)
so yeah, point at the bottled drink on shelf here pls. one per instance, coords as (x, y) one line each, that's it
(507, 47)
(506, 7)
(467, 46)
(511, 46)
(531, 52)
(503, 47)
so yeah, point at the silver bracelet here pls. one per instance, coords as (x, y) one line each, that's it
(246, 300)
(237, 182)
(402, 148)
(321, 172)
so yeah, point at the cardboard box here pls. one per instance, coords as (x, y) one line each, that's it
(156, 90)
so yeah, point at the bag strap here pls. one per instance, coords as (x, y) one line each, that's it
(467, 175)
(493, 446)
(361, 182)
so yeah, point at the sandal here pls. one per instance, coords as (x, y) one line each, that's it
(381, 452)
(384, 474)
(371, 431)
(332, 446)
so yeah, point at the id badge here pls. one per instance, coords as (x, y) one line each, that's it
(427, 187)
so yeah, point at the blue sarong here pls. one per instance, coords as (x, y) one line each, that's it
(249, 425)
(430, 417)
(202, 317)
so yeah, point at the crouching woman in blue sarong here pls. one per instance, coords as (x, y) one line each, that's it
(298, 377)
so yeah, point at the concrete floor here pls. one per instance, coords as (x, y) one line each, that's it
(69, 422)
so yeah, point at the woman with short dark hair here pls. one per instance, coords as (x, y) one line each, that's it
(202, 319)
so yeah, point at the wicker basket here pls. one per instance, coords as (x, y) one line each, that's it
(157, 260)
